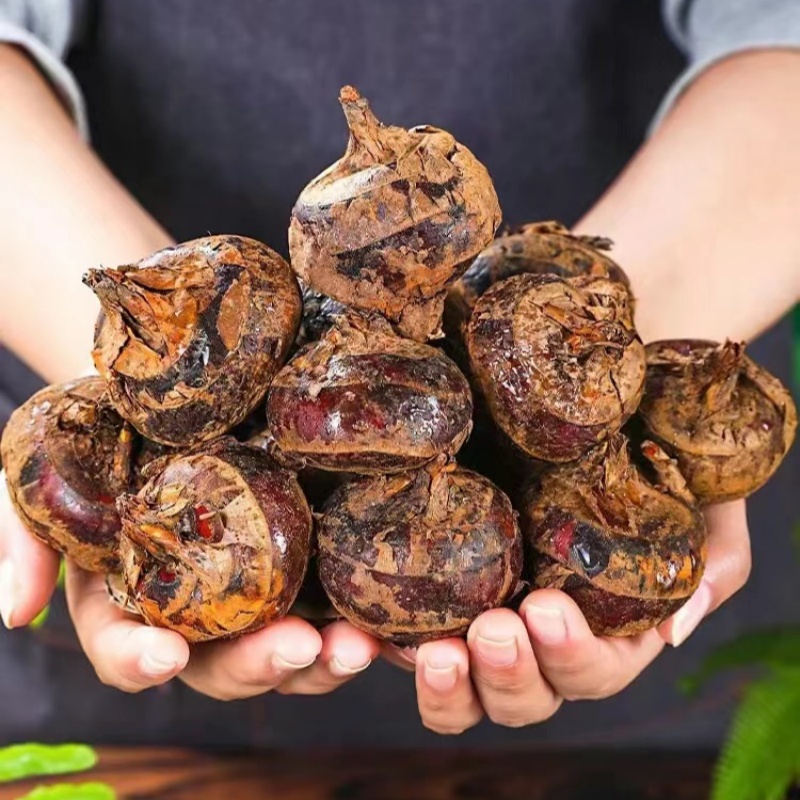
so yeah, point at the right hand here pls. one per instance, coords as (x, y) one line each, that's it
(289, 656)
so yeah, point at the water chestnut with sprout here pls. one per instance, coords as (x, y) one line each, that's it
(540, 248)
(190, 337)
(557, 361)
(68, 455)
(726, 420)
(216, 543)
(626, 542)
(396, 220)
(418, 556)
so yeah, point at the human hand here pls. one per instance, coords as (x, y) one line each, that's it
(290, 656)
(519, 668)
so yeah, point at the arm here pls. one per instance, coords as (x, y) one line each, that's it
(705, 217)
(705, 221)
(61, 212)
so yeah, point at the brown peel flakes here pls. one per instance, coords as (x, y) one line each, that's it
(557, 361)
(726, 420)
(415, 557)
(68, 455)
(627, 543)
(391, 224)
(365, 400)
(190, 337)
(216, 543)
(538, 248)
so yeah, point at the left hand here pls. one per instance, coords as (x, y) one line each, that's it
(519, 668)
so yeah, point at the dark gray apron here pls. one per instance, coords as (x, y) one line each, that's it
(215, 115)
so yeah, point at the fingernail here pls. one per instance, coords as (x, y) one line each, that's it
(155, 667)
(547, 624)
(8, 591)
(408, 654)
(497, 652)
(338, 668)
(691, 615)
(440, 677)
(302, 655)
(281, 663)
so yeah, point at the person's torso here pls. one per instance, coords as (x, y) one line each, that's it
(215, 115)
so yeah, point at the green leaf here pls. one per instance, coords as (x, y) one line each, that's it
(778, 648)
(31, 760)
(40, 618)
(72, 791)
(761, 758)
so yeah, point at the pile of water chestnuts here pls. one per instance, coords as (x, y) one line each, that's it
(262, 436)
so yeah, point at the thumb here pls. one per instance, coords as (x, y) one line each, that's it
(727, 570)
(28, 568)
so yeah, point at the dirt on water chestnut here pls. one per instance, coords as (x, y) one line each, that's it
(395, 221)
(418, 556)
(365, 400)
(67, 456)
(626, 541)
(216, 543)
(726, 420)
(190, 337)
(557, 361)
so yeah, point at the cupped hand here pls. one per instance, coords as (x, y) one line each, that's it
(517, 669)
(289, 656)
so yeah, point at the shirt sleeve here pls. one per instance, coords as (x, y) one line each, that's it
(44, 29)
(708, 31)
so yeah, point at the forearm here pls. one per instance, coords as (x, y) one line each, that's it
(61, 212)
(706, 217)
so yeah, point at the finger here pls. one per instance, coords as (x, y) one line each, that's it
(28, 568)
(125, 653)
(403, 657)
(447, 701)
(254, 663)
(511, 688)
(575, 662)
(728, 568)
(346, 651)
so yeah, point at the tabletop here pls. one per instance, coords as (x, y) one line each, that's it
(141, 774)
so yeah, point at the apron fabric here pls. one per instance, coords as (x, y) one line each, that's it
(215, 115)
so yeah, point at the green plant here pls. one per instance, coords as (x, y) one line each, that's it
(761, 757)
(31, 760)
(72, 791)
(42, 616)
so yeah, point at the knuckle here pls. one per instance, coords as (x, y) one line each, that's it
(308, 689)
(117, 682)
(504, 682)
(105, 678)
(436, 705)
(601, 690)
(216, 690)
(742, 568)
(513, 717)
(510, 719)
(572, 669)
(224, 695)
(445, 728)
